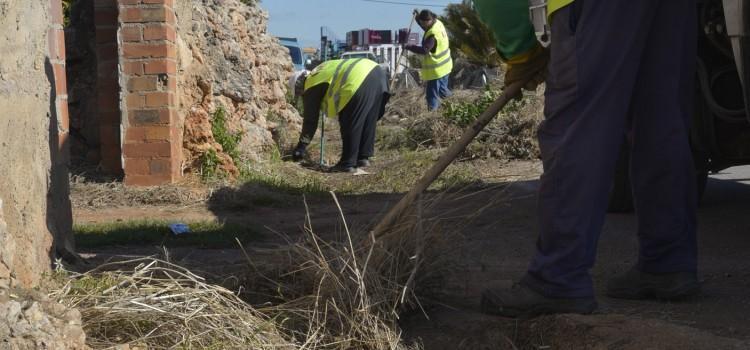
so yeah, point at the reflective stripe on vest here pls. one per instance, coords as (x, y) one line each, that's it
(343, 77)
(439, 64)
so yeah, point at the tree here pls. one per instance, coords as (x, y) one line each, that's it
(469, 36)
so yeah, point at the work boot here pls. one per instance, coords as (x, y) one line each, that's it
(522, 301)
(636, 284)
(299, 152)
(363, 163)
(339, 168)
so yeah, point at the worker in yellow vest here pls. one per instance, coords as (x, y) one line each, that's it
(354, 89)
(437, 63)
(619, 73)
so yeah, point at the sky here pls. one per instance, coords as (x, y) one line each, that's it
(303, 18)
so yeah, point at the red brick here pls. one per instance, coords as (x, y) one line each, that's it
(132, 50)
(171, 18)
(146, 117)
(135, 101)
(147, 180)
(160, 66)
(56, 12)
(63, 119)
(172, 84)
(137, 166)
(135, 134)
(162, 133)
(61, 87)
(141, 150)
(169, 3)
(131, 33)
(56, 44)
(160, 166)
(159, 32)
(159, 99)
(147, 83)
(133, 68)
(105, 17)
(62, 144)
(141, 15)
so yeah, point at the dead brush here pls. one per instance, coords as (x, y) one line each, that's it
(159, 305)
(333, 295)
(348, 294)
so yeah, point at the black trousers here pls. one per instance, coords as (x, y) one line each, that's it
(358, 118)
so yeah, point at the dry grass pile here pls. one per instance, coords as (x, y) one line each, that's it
(93, 194)
(159, 305)
(343, 293)
(349, 293)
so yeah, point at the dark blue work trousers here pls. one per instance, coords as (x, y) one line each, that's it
(619, 68)
(436, 90)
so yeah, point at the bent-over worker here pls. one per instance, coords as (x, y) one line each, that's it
(354, 89)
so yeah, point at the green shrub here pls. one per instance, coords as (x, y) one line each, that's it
(228, 141)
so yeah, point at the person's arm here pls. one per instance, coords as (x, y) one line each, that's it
(311, 100)
(509, 21)
(427, 46)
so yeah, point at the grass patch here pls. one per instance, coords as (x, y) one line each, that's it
(204, 234)
(284, 178)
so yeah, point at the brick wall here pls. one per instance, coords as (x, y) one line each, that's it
(107, 87)
(152, 148)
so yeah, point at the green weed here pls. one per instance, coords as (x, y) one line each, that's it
(206, 234)
(229, 141)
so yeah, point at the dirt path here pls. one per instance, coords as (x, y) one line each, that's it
(498, 245)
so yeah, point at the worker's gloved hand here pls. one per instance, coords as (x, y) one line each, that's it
(533, 69)
(299, 152)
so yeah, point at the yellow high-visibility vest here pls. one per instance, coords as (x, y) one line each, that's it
(554, 5)
(439, 64)
(343, 77)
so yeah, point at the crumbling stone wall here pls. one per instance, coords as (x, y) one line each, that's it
(226, 58)
(35, 216)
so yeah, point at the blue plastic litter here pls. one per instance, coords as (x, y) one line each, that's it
(179, 229)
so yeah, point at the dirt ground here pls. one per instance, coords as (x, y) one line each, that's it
(499, 241)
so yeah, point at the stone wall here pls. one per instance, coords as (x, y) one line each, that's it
(35, 219)
(226, 58)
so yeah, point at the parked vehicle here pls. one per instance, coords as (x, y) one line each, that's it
(295, 52)
(720, 133)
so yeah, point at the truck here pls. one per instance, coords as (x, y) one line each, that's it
(295, 52)
(720, 132)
